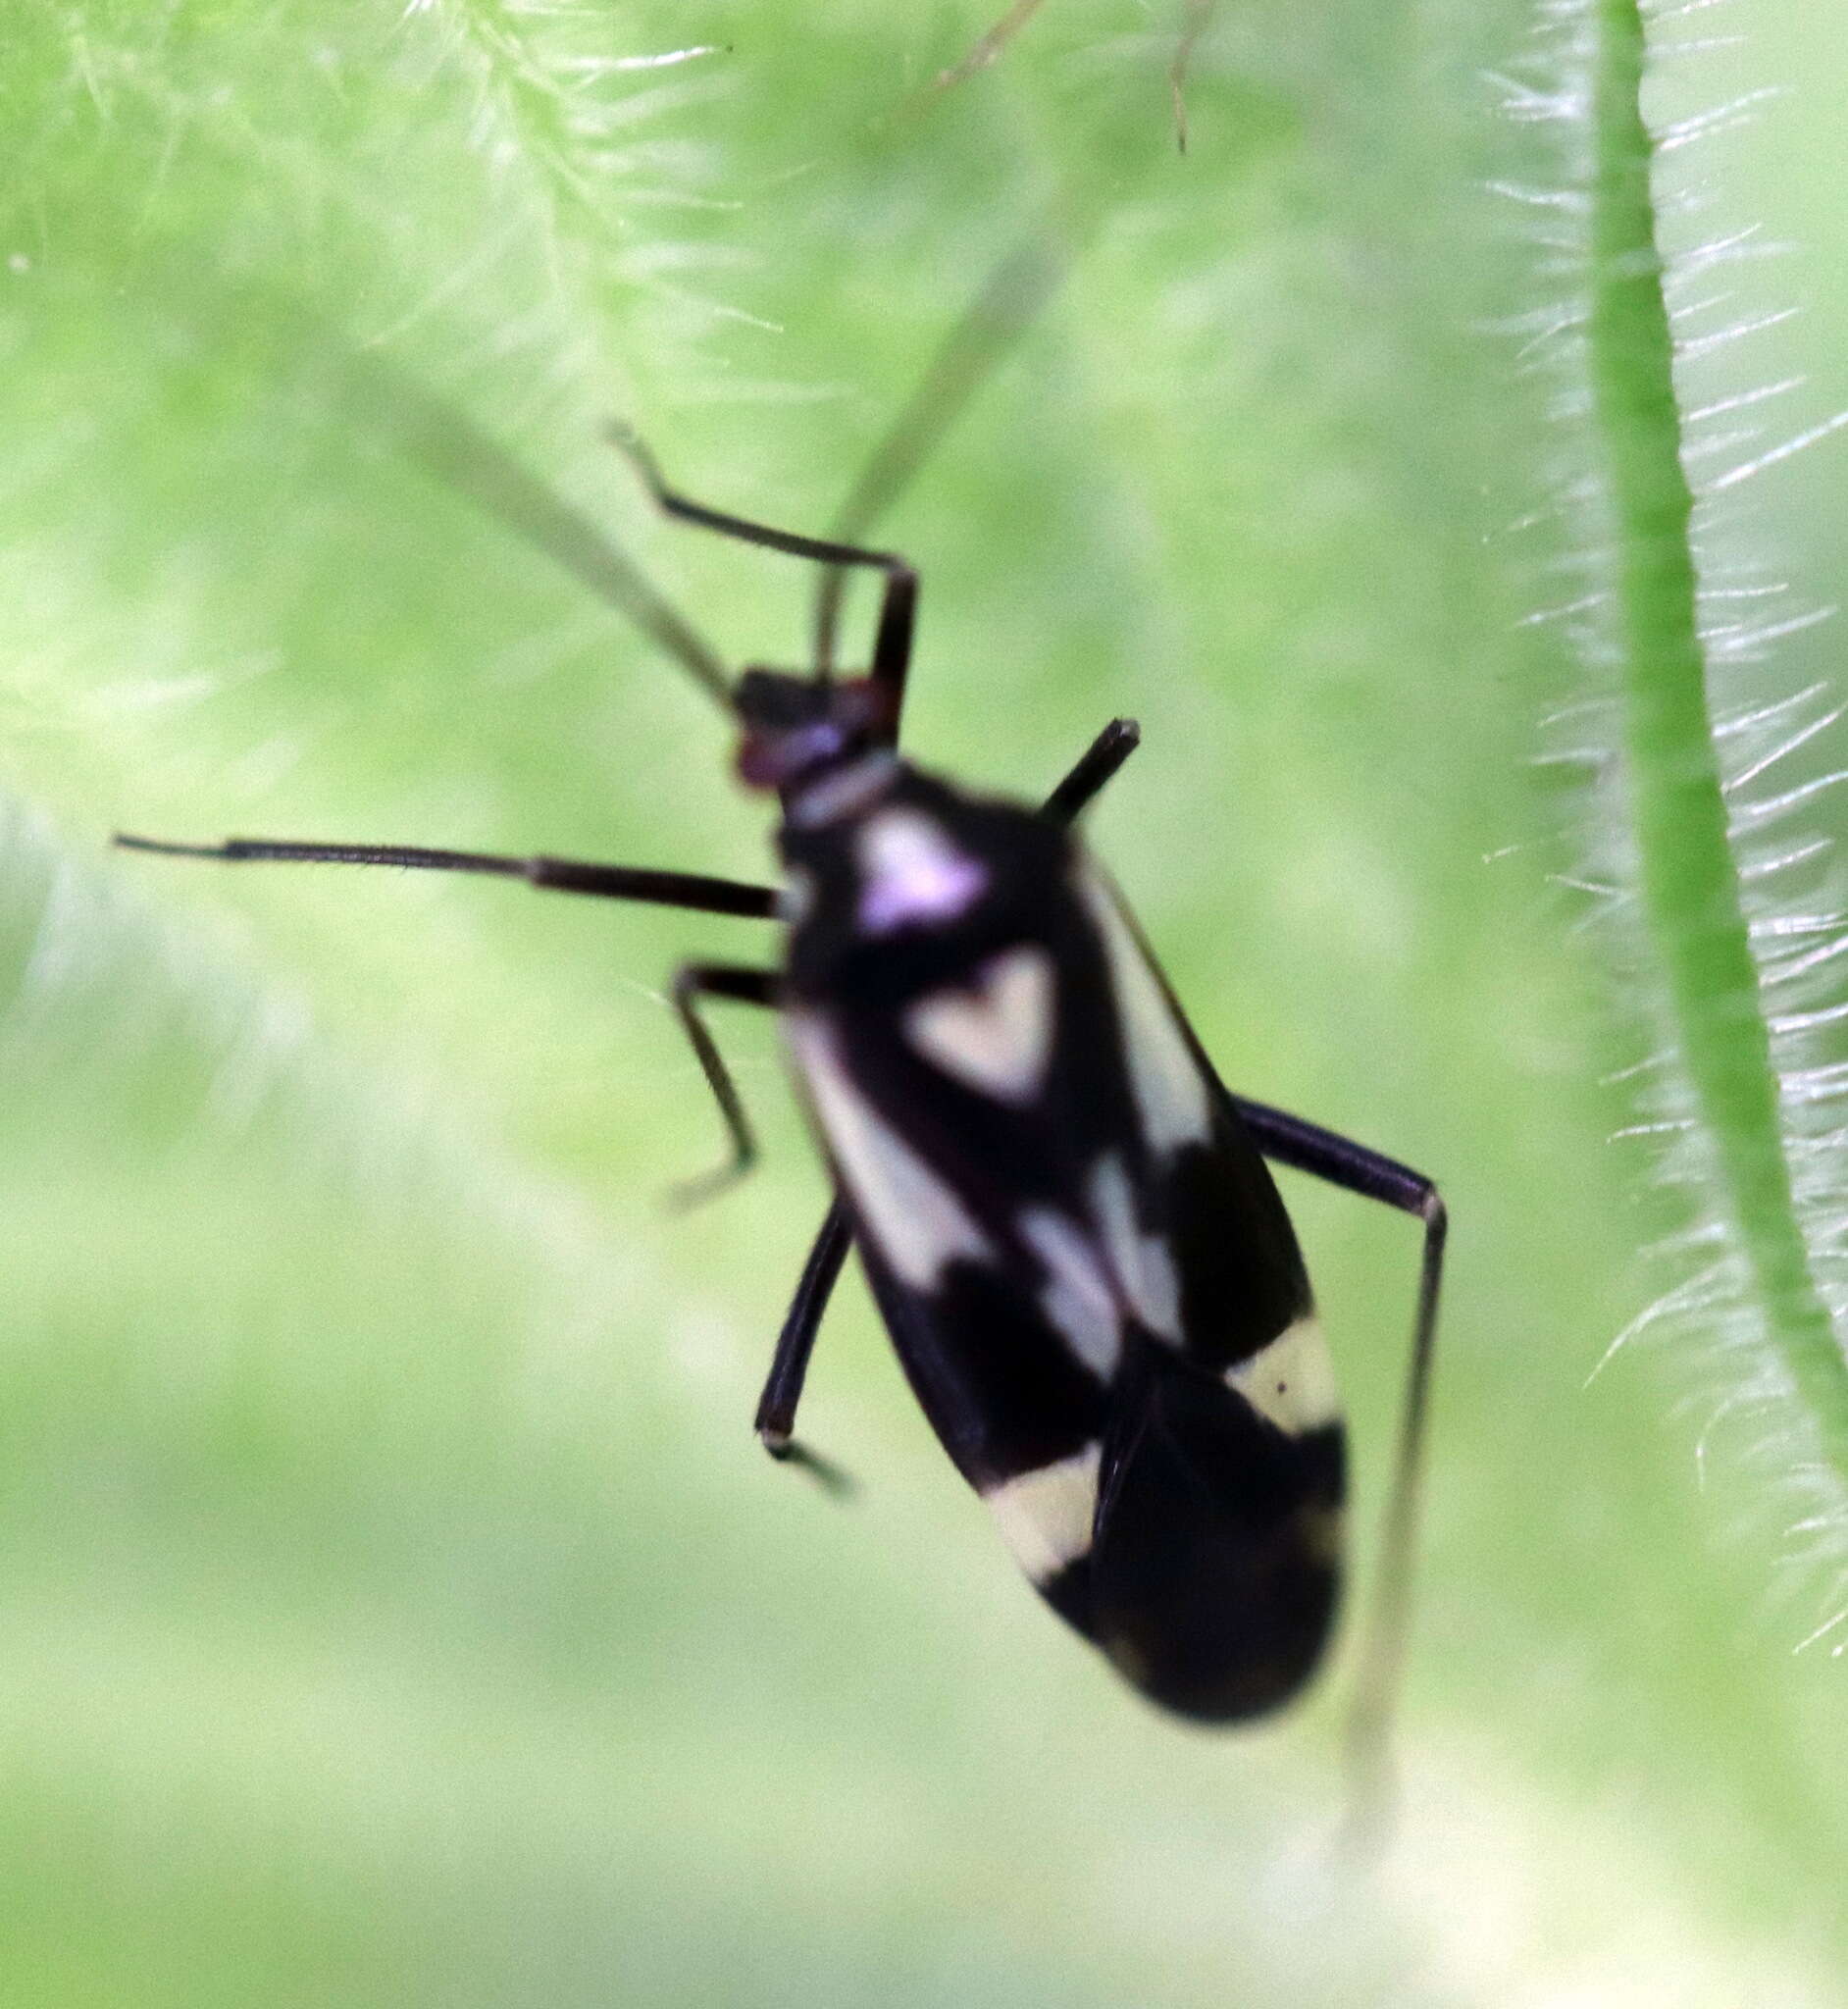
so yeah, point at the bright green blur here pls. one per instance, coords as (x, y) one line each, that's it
(395, 1606)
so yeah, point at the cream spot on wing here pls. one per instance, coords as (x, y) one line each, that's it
(916, 1220)
(997, 1035)
(911, 871)
(1076, 1295)
(1172, 1094)
(1144, 1264)
(1044, 1517)
(1291, 1382)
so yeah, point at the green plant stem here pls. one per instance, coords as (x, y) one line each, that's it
(1689, 882)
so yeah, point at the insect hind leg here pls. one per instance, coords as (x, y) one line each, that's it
(1325, 1154)
(692, 892)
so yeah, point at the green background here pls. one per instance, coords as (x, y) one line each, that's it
(394, 1605)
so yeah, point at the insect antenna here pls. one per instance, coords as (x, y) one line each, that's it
(1371, 1781)
(999, 314)
(449, 447)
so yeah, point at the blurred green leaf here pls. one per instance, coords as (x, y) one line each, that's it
(395, 1605)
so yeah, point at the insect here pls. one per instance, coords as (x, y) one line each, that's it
(1066, 1219)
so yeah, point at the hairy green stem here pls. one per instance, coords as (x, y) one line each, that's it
(1688, 880)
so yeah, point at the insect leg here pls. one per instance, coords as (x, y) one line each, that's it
(1341, 1162)
(693, 891)
(693, 981)
(1093, 771)
(789, 1366)
(775, 1421)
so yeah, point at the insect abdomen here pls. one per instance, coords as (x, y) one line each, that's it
(1213, 1571)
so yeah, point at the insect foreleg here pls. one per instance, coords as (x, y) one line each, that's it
(1341, 1161)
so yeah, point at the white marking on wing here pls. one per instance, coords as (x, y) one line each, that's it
(913, 872)
(1291, 1382)
(1144, 1264)
(995, 1034)
(1044, 1517)
(1172, 1090)
(1076, 1295)
(916, 1220)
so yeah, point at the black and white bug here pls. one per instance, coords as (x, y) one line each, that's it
(1066, 1219)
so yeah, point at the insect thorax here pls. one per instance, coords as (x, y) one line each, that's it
(899, 883)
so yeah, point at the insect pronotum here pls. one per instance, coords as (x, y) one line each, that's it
(1066, 1219)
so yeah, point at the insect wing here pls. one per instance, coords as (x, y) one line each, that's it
(1097, 1295)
